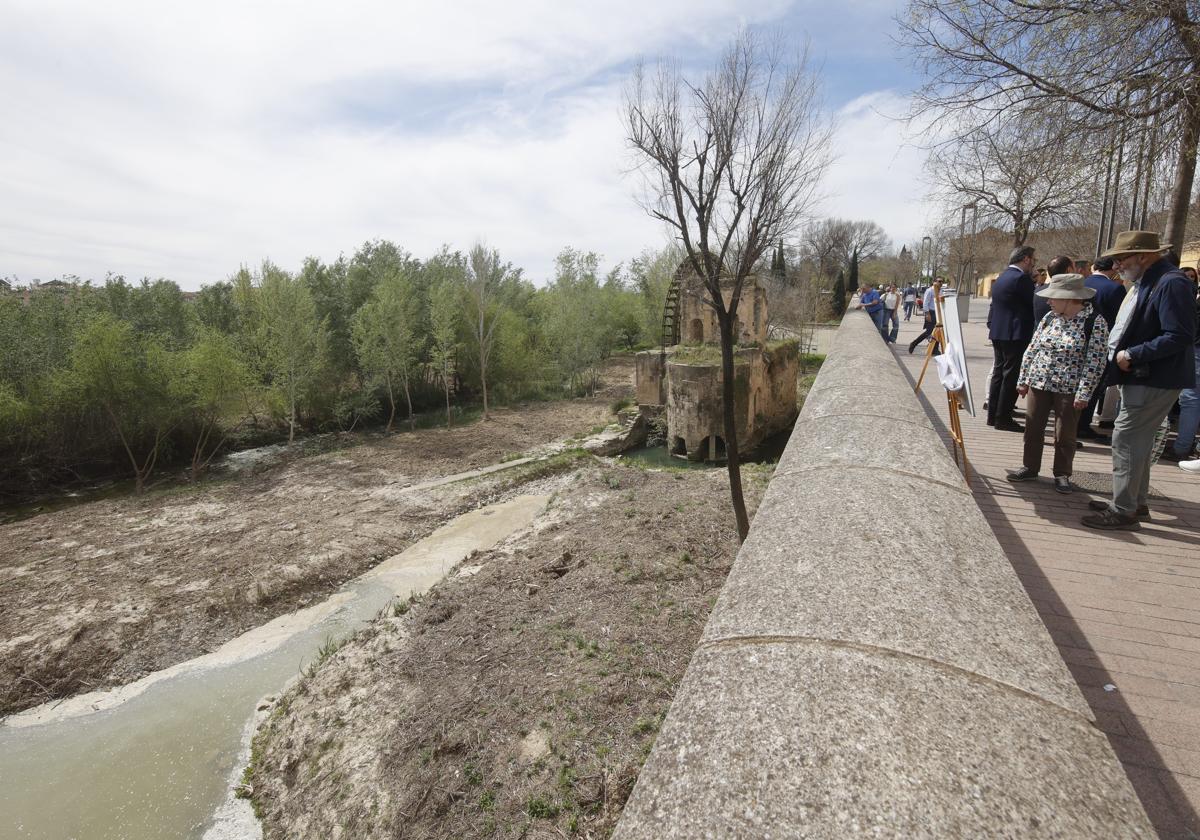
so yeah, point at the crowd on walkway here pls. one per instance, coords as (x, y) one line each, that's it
(1117, 343)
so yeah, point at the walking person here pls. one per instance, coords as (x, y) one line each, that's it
(1059, 371)
(891, 314)
(1152, 346)
(1010, 328)
(910, 300)
(929, 306)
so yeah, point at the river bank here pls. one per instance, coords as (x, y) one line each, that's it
(520, 697)
(102, 594)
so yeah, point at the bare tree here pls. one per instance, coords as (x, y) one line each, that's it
(830, 242)
(732, 165)
(1025, 173)
(1133, 61)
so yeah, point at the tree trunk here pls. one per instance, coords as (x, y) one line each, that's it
(1185, 176)
(391, 405)
(446, 385)
(732, 462)
(483, 381)
(412, 421)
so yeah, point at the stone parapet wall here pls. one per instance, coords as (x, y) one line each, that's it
(873, 666)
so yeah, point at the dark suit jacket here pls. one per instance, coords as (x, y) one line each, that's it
(1161, 332)
(1041, 305)
(1011, 317)
(1109, 294)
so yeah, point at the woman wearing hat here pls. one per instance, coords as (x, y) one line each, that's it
(1059, 372)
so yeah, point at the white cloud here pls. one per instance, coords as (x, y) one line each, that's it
(181, 141)
(878, 173)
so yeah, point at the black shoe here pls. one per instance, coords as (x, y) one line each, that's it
(1111, 521)
(1088, 433)
(1105, 424)
(1009, 426)
(1062, 484)
(1169, 454)
(1023, 474)
(911, 348)
(1078, 445)
(1143, 511)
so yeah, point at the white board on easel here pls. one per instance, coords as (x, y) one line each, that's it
(955, 348)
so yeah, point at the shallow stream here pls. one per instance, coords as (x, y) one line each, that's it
(155, 759)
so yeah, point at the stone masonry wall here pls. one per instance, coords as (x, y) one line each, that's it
(873, 666)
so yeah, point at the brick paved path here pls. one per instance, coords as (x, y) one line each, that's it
(1124, 607)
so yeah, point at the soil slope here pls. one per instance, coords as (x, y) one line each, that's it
(101, 594)
(521, 697)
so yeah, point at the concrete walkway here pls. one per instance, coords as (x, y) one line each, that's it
(1123, 607)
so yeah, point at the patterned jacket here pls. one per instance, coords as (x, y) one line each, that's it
(1056, 359)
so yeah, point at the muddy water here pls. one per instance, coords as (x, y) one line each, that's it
(154, 759)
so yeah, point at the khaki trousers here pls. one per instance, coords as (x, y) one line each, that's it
(1038, 405)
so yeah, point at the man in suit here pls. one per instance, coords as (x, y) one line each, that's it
(1107, 302)
(1010, 327)
(1151, 347)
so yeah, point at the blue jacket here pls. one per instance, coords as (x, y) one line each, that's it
(1011, 315)
(1109, 294)
(1161, 332)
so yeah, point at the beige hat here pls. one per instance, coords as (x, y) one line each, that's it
(1135, 242)
(1066, 287)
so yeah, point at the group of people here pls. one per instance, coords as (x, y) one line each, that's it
(1131, 323)
(884, 303)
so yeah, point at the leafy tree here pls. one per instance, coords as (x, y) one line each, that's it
(839, 295)
(135, 380)
(293, 339)
(215, 307)
(445, 308)
(485, 275)
(575, 317)
(214, 377)
(385, 339)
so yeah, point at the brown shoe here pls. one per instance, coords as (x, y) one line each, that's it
(1110, 521)
(1143, 511)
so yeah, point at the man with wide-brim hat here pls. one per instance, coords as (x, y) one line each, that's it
(1150, 350)
(1059, 372)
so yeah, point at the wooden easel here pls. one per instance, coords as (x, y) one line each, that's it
(937, 344)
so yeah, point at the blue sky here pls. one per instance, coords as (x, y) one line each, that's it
(159, 140)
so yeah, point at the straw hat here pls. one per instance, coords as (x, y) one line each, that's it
(1135, 242)
(1066, 287)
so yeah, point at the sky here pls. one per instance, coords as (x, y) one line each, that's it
(183, 141)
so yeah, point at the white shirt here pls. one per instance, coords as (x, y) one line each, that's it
(890, 300)
(927, 301)
(1124, 314)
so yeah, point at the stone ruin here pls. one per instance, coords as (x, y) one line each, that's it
(683, 379)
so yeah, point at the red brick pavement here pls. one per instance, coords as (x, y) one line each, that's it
(1123, 607)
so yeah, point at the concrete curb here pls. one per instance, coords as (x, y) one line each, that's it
(873, 665)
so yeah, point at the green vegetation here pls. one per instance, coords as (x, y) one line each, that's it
(128, 377)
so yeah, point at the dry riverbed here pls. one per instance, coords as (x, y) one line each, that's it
(522, 695)
(101, 594)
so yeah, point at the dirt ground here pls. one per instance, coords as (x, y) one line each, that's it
(522, 695)
(100, 594)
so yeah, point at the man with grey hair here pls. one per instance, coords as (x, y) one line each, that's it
(1010, 328)
(1151, 348)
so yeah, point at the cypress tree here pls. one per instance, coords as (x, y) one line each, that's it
(839, 295)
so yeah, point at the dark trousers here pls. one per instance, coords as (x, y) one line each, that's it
(1086, 415)
(1038, 405)
(1002, 390)
(930, 323)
